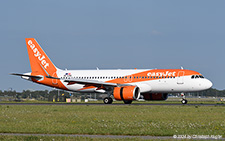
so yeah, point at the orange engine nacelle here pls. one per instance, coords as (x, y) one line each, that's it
(155, 96)
(126, 93)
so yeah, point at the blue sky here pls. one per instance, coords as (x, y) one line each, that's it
(114, 34)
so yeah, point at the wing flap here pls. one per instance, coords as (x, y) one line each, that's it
(89, 82)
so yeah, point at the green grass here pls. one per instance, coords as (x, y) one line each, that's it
(113, 120)
(54, 138)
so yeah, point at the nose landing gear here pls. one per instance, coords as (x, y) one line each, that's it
(183, 101)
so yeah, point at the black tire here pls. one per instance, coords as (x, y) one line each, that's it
(184, 101)
(108, 100)
(127, 101)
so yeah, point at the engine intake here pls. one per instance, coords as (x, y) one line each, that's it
(126, 93)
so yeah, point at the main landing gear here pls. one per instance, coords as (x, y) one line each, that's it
(108, 100)
(183, 101)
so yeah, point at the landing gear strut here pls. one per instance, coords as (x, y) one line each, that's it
(108, 100)
(183, 101)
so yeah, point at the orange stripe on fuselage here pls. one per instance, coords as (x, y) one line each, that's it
(150, 75)
(48, 82)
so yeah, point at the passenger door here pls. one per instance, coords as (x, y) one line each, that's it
(180, 77)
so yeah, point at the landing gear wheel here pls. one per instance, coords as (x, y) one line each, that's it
(127, 101)
(184, 101)
(108, 100)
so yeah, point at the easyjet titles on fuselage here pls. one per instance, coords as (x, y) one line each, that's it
(167, 73)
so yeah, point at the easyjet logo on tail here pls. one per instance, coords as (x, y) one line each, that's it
(37, 54)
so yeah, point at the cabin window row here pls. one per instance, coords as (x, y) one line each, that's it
(121, 77)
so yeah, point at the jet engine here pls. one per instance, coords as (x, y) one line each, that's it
(155, 96)
(126, 93)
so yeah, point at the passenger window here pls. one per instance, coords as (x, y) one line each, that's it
(192, 77)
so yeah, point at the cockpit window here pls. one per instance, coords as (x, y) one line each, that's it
(197, 76)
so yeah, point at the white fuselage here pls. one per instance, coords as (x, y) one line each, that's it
(168, 85)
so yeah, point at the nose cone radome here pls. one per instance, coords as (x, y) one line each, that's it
(208, 84)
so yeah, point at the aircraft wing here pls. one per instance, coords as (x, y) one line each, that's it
(89, 82)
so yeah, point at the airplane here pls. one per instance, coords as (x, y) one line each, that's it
(124, 85)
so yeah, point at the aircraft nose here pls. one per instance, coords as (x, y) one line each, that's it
(208, 84)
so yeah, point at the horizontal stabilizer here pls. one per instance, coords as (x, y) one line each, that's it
(26, 75)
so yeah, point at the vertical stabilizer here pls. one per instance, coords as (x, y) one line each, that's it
(41, 65)
(39, 61)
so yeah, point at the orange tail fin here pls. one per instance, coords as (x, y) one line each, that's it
(39, 61)
(42, 66)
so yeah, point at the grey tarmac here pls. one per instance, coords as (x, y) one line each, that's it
(115, 104)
